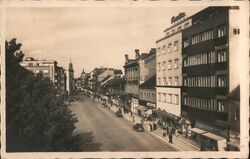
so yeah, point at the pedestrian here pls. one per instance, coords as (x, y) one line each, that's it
(133, 118)
(170, 138)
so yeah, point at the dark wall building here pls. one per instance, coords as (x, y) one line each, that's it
(210, 69)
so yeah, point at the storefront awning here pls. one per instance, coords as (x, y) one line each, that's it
(213, 136)
(161, 113)
(198, 131)
(140, 107)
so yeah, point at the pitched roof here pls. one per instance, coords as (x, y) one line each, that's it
(149, 84)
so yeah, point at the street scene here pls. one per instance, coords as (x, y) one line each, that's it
(110, 132)
(115, 80)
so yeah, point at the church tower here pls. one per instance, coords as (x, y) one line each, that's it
(70, 79)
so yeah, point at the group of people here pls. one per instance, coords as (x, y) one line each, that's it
(168, 130)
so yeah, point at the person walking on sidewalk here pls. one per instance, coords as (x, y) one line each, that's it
(170, 136)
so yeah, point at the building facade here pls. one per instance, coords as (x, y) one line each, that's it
(46, 67)
(147, 95)
(132, 76)
(49, 69)
(169, 67)
(210, 69)
(70, 79)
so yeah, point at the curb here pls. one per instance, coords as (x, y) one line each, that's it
(162, 140)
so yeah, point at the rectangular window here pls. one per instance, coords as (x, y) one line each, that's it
(176, 46)
(159, 96)
(169, 81)
(222, 31)
(159, 51)
(164, 65)
(164, 81)
(159, 81)
(170, 98)
(37, 64)
(30, 64)
(179, 28)
(169, 47)
(185, 43)
(169, 64)
(221, 79)
(221, 56)
(159, 66)
(164, 49)
(221, 105)
(164, 97)
(176, 99)
(176, 81)
(176, 63)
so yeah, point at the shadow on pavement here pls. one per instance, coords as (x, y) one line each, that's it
(85, 142)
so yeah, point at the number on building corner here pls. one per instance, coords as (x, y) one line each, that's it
(236, 31)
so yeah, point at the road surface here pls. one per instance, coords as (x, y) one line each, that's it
(103, 131)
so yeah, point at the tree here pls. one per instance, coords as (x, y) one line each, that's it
(36, 119)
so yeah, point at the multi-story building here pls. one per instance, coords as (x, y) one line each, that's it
(147, 95)
(70, 79)
(60, 81)
(210, 72)
(169, 68)
(49, 69)
(46, 67)
(147, 82)
(147, 65)
(132, 80)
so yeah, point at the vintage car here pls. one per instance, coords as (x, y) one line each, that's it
(138, 127)
(118, 113)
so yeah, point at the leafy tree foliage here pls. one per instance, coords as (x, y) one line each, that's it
(36, 119)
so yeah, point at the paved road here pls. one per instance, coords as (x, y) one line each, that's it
(110, 133)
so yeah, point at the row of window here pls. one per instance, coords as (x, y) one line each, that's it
(168, 82)
(206, 58)
(131, 74)
(205, 103)
(179, 28)
(170, 48)
(147, 96)
(168, 98)
(168, 65)
(205, 81)
(206, 35)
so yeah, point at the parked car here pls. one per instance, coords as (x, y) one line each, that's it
(118, 113)
(138, 127)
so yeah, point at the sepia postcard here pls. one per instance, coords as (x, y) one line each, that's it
(124, 79)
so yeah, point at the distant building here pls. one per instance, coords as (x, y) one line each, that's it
(46, 67)
(49, 69)
(147, 95)
(70, 79)
(60, 80)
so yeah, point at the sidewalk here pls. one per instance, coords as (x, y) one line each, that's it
(180, 143)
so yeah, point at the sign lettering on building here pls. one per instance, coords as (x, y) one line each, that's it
(178, 17)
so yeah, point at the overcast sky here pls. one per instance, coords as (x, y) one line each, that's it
(92, 37)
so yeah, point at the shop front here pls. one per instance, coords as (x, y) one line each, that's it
(168, 118)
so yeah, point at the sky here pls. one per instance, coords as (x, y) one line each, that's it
(90, 36)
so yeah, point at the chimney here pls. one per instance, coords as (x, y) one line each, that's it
(126, 58)
(137, 53)
(152, 51)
